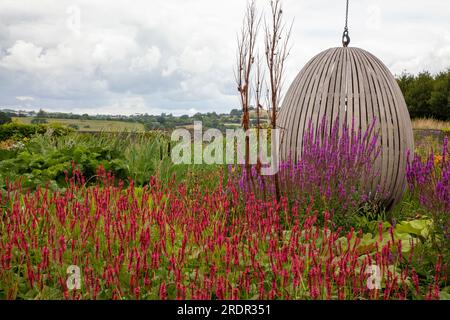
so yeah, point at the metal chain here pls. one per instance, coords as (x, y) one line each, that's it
(345, 36)
(346, 17)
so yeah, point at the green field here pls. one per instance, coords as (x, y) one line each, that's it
(91, 125)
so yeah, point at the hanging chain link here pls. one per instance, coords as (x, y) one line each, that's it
(345, 36)
(346, 17)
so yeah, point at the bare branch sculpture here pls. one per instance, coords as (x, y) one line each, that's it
(277, 49)
(245, 60)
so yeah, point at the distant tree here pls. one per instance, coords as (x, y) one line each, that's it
(404, 81)
(4, 118)
(426, 95)
(161, 119)
(418, 95)
(41, 114)
(440, 96)
(40, 117)
(198, 116)
(169, 125)
(236, 112)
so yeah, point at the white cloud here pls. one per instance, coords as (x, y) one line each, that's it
(147, 62)
(23, 56)
(25, 98)
(196, 60)
(171, 67)
(178, 55)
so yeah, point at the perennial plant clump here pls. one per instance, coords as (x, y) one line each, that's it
(171, 242)
(429, 181)
(336, 169)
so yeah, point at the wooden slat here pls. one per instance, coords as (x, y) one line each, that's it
(311, 106)
(390, 158)
(294, 106)
(325, 88)
(402, 131)
(378, 111)
(302, 105)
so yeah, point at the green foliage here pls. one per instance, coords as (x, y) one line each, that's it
(150, 154)
(146, 155)
(50, 152)
(439, 99)
(427, 95)
(39, 121)
(418, 95)
(46, 158)
(74, 126)
(437, 243)
(149, 122)
(41, 114)
(410, 233)
(4, 118)
(17, 131)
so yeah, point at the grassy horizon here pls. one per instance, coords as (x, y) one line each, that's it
(90, 125)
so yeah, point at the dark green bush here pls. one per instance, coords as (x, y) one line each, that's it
(46, 158)
(38, 121)
(18, 131)
(74, 126)
(427, 95)
(4, 118)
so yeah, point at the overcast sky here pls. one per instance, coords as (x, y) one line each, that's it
(177, 56)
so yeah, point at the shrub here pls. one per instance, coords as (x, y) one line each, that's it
(4, 118)
(430, 181)
(39, 121)
(146, 155)
(18, 131)
(74, 126)
(46, 158)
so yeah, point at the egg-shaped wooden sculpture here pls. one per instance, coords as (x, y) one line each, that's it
(351, 83)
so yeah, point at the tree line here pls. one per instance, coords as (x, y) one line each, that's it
(427, 95)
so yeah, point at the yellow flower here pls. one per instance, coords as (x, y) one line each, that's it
(6, 144)
(437, 160)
